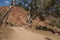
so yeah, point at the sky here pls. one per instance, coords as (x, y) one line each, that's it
(5, 2)
(8, 2)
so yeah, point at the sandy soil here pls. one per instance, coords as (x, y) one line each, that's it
(22, 34)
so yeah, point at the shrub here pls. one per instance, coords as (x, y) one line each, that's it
(58, 25)
(9, 23)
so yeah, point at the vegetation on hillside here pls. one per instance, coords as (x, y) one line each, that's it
(42, 13)
(43, 9)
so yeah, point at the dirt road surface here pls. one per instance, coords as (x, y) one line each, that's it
(22, 34)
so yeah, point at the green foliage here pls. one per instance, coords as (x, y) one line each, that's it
(42, 7)
(19, 4)
(9, 23)
(55, 22)
(58, 25)
(56, 12)
(49, 3)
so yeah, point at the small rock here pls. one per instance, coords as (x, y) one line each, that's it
(56, 34)
(48, 38)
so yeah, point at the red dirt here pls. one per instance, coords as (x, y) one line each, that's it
(17, 16)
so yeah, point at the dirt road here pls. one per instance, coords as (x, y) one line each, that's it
(22, 34)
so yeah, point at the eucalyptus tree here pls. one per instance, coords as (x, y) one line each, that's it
(38, 8)
(41, 7)
(13, 2)
(56, 10)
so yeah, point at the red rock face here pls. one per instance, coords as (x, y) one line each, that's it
(3, 9)
(17, 16)
(37, 22)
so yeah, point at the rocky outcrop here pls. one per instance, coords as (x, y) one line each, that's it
(17, 16)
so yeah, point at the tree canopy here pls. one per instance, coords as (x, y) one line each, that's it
(40, 7)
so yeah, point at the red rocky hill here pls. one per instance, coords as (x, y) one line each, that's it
(18, 17)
